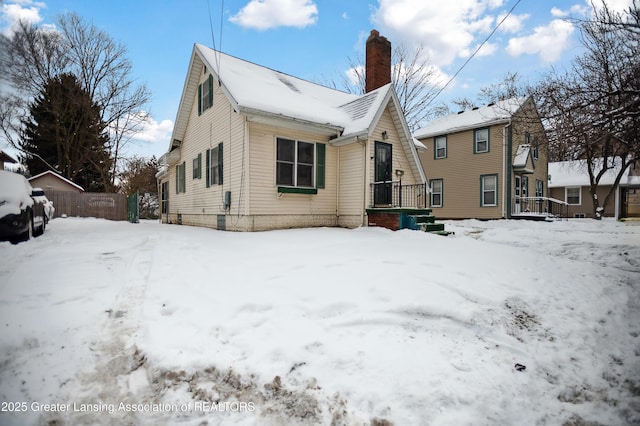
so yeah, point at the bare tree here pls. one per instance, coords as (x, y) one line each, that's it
(593, 109)
(415, 82)
(36, 55)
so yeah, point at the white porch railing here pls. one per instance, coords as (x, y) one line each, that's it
(540, 207)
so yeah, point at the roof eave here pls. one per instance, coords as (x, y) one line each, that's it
(463, 128)
(265, 117)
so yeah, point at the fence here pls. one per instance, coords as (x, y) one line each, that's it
(89, 204)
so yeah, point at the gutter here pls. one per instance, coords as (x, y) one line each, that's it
(326, 128)
(504, 171)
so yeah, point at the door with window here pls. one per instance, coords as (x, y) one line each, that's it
(517, 192)
(383, 186)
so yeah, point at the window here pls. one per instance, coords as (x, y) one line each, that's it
(214, 165)
(488, 192)
(572, 195)
(440, 147)
(525, 186)
(181, 185)
(165, 197)
(539, 188)
(205, 95)
(481, 141)
(197, 167)
(436, 192)
(295, 163)
(536, 151)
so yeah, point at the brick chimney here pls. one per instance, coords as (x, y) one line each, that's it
(378, 61)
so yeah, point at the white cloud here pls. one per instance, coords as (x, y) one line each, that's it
(446, 28)
(266, 14)
(546, 41)
(155, 132)
(513, 23)
(12, 13)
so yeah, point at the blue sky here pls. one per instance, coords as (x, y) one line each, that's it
(314, 39)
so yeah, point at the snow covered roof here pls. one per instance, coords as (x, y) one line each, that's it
(522, 155)
(499, 112)
(49, 172)
(6, 157)
(257, 90)
(264, 93)
(575, 173)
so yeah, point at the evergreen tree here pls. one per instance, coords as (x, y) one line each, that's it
(64, 133)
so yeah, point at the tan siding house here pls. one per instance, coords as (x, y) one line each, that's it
(52, 181)
(569, 181)
(255, 149)
(487, 163)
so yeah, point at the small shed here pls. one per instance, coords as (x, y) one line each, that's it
(51, 181)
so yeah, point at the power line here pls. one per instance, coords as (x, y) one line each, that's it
(474, 53)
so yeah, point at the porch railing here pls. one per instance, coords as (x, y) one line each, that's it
(540, 206)
(396, 194)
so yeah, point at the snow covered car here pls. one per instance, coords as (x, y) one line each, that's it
(41, 197)
(21, 217)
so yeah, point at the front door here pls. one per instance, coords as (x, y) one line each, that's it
(382, 193)
(517, 193)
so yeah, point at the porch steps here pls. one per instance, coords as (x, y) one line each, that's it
(427, 223)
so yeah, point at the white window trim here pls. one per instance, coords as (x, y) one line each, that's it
(441, 193)
(495, 191)
(295, 163)
(435, 145)
(566, 195)
(475, 141)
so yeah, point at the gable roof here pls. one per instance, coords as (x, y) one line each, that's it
(6, 157)
(262, 93)
(523, 160)
(65, 180)
(499, 112)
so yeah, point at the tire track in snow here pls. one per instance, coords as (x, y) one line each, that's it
(119, 371)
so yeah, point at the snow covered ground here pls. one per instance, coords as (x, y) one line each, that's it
(116, 323)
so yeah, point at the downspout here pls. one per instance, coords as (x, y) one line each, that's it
(508, 167)
(504, 172)
(338, 172)
(364, 179)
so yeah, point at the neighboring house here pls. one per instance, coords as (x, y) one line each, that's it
(487, 163)
(50, 181)
(5, 158)
(256, 149)
(569, 181)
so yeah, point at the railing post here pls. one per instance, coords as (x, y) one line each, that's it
(400, 193)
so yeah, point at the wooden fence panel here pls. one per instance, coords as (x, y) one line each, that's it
(89, 204)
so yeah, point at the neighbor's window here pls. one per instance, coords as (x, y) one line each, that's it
(488, 190)
(214, 165)
(572, 195)
(205, 95)
(436, 192)
(294, 163)
(481, 141)
(539, 188)
(440, 148)
(536, 149)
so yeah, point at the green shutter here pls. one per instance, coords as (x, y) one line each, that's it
(199, 99)
(184, 176)
(210, 102)
(178, 179)
(208, 161)
(320, 164)
(220, 163)
(200, 166)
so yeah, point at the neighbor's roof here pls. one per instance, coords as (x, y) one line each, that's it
(49, 172)
(499, 112)
(575, 173)
(6, 157)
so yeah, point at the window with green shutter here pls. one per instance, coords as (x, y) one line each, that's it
(197, 167)
(181, 177)
(214, 163)
(205, 95)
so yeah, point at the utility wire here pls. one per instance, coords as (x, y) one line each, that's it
(474, 53)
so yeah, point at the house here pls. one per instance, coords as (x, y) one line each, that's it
(569, 181)
(256, 149)
(52, 181)
(488, 163)
(5, 158)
